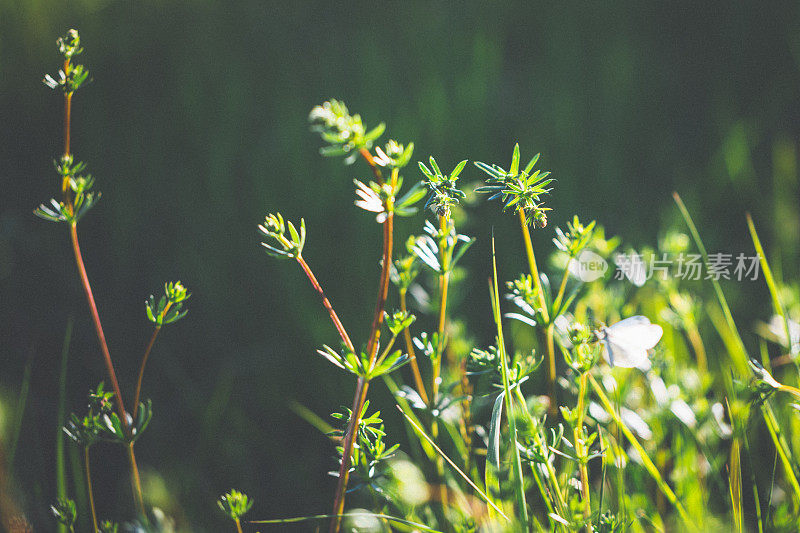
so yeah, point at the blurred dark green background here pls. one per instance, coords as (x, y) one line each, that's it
(196, 125)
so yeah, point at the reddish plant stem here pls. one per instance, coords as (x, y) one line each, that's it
(412, 354)
(112, 375)
(372, 164)
(372, 348)
(326, 303)
(141, 368)
(101, 337)
(67, 129)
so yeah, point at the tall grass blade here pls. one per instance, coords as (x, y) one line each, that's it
(741, 352)
(771, 285)
(735, 485)
(492, 468)
(519, 482)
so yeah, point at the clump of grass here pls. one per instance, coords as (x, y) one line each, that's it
(620, 431)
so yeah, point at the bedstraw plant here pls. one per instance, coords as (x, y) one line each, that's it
(107, 418)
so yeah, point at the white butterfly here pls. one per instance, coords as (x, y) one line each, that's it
(626, 342)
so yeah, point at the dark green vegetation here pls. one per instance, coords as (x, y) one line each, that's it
(193, 127)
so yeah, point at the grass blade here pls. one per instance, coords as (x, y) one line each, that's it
(735, 485)
(519, 482)
(20, 413)
(771, 285)
(414, 525)
(61, 470)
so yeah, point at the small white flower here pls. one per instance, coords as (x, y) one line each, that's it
(370, 201)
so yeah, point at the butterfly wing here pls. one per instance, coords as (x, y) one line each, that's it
(628, 340)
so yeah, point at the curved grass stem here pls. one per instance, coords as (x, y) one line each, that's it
(88, 472)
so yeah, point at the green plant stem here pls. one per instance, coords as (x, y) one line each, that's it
(137, 481)
(561, 504)
(88, 471)
(444, 282)
(646, 461)
(420, 384)
(362, 384)
(562, 288)
(580, 452)
(526, 236)
(238, 525)
(519, 482)
(551, 354)
(144, 362)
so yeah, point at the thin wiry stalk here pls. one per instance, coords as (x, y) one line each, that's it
(87, 288)
(98, 326)
(754, 484)
(372, 347)
(142, 365)
(326, 303)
